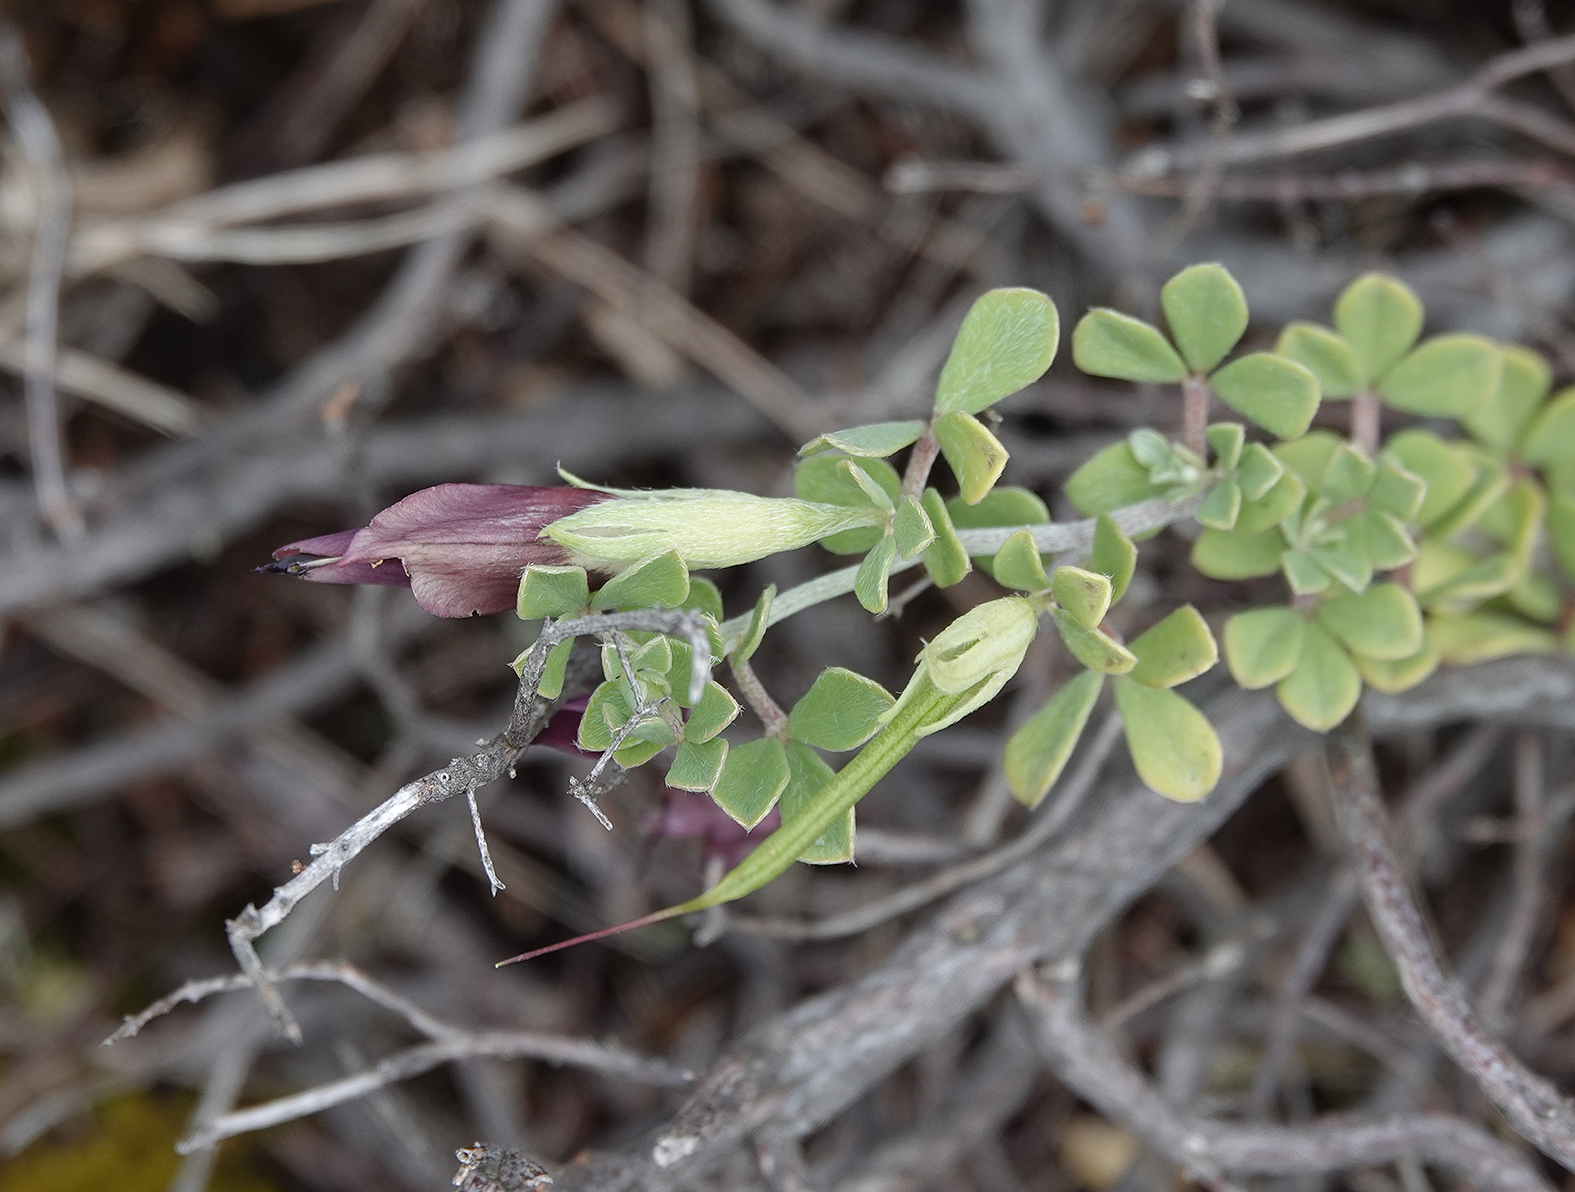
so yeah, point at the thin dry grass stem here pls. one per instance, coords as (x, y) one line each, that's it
(40, 144)
(1532, 1104)
(1087, 1061)
(1528, 881)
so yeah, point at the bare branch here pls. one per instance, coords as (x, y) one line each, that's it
(1531, 1104)
(1087, 1061)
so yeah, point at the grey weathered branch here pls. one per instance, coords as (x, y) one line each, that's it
(1087, 1061)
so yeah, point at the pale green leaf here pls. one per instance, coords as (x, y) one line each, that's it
(1449, 376)
(754, 776)
(1262, 645)
(1007, 341)
(547, 591)
(1108, 343)
(869, 585)
(1522, 386)
(697, 765)
(1221, 507)
(1379, 317)
(1324, 685)
(912, 528)
(1234, 554)
(1112, 479)
(1018, 565)
(1402, 674)
(715, 711)
(821, 478)
(975, 455)
(1112, 555)
(875, 441)
(1484, 636)
(1173, 746)
(1323, 353)
(1384, 622)
(1038, 751)
(1176, 649)
(1094, 648)
(660, 581)
(551, 685)
(1445, 471)
(1551, 439)
(1207, 313)
(1275, 392)
(945, 560)
(758, 621)
(1258, 471)
(1227, 439)
(1284, 496)
(1084, 594)
(840, 711)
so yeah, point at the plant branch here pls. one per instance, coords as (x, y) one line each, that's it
(1086, 1060)
(1536, 1109)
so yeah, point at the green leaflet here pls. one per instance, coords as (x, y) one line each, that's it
(1262, 645)
(1207, 313)
(1379, 317)
(1038, 751)
(1275, 392)
(976, 456)
(1173, 745)
(875, 441)
(1324, 685)
(1107, 343)
(1323, 353)
(840, 711)
(1178, 648)
(1007, 341)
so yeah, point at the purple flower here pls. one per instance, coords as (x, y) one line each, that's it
(460, 548)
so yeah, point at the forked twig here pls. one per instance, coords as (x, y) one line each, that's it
(466, 774)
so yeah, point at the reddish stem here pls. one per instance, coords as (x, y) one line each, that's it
(920, 461)
(1365, 419)
(1195, 396)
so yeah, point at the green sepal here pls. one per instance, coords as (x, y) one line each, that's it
(1275, 392)
(1449, 376)
(1207, 313)
(1551, 439)
(822, 478)
(1325, 354)
(1443, 468)
(808, 775)
(945, 560)
(1094, 648)
(1483, 637)
(975, 455)
(715, 711)
(547, 591)
(1227, 439)
(1236, 554)
(869, 585)
(659, 581)
(1084, 594)
(1522, 387)
(1173, 746)
(875, 441)
(697, 765)
(1107, 343)
(1383, 622)
(1258, 471)
(1324, 685)
(1176, 649)
(912, 528)
(840, 711)
(1262, 645)
(1113, 555)
(1038, 751)
(1221, 507)
(758, 621)
(753, 778)
(1018, 565)
(1379, 317)
(1112, 479)
(1006, 341)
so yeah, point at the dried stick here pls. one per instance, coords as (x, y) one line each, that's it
(40, 144)
(1535, 1108)
(1087, 1061)
(1474, 97)
(463, 775)
(424, 1057)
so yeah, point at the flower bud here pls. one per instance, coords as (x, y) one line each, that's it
(707, 527)
(974, 656)
(461, 548)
